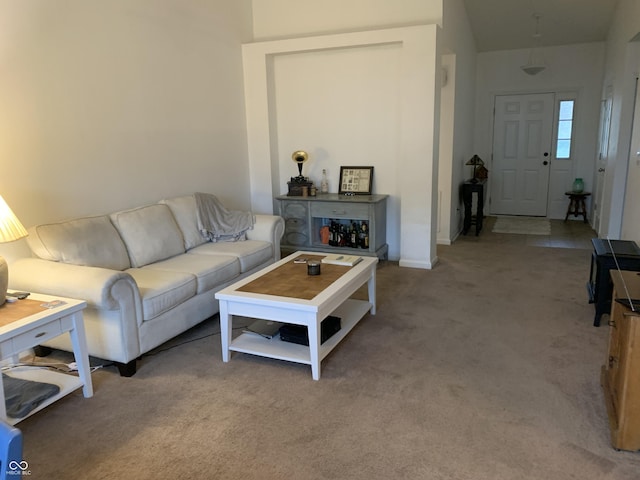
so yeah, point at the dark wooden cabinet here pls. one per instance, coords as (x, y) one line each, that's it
(627, 256)
(620, 376)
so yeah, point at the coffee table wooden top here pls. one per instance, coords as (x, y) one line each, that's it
(291, 279)
(10, 312)
(22, 312)
(286, 281)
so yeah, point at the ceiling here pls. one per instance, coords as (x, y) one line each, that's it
(510, 24)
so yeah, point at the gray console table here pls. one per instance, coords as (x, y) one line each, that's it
(305, 218)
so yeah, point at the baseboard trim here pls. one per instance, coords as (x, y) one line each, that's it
(418, 264)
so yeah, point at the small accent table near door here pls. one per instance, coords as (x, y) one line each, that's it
(26, 324)
(577, 205)
(468, 189)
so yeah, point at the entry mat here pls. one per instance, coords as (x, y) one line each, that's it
(522, 225)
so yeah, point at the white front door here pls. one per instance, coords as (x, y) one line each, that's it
(522, 138)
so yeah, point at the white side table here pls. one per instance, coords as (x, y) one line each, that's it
(26, 325)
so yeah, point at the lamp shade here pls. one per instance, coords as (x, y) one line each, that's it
(10, 227)
(475, 160)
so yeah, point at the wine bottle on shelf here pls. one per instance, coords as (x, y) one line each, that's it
(364, 236)
(336, 234)
(332, 234)
(341, 236)
(354, 235)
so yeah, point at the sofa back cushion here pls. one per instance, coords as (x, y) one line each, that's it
(91, 241)
(150, 234)
(185, 211)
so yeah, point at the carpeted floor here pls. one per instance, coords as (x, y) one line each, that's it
(484, 368)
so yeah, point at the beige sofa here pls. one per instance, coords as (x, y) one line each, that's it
(147, 273)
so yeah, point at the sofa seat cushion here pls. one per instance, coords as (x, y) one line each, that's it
(210, 271)
(89, 241)
(185, 211)
(161, 290)
(250, 253)
(150, 233)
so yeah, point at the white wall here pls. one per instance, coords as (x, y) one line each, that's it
(372, 101)
(346, 113)
(445, 156)
(111, 104)
(571, 70)
(345, 118)
(273, 19)
(631, 213)
(458, 110)
(622, 67)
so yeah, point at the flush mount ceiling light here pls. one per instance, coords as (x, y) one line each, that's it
(535, 64)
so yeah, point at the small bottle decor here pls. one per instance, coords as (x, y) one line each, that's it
(324, 183)
(578, 186)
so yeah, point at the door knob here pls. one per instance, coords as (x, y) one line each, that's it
(600, 170)
(545, 163)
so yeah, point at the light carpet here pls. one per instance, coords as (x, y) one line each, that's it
(485, 368)
(522, 225)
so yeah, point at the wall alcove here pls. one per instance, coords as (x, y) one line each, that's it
(363, 98)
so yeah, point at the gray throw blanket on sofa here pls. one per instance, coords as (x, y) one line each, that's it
(219, 224)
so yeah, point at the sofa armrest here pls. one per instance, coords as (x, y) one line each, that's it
(100, 287)
(268, 228)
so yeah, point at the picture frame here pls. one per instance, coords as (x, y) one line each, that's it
(355, 180)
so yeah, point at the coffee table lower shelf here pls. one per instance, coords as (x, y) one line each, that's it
(350, 313)
(67, 383)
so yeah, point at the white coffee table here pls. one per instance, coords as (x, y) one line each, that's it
(37, 325)
(332, 300)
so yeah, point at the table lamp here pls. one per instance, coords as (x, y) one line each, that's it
(10, 230)
(475, 161)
